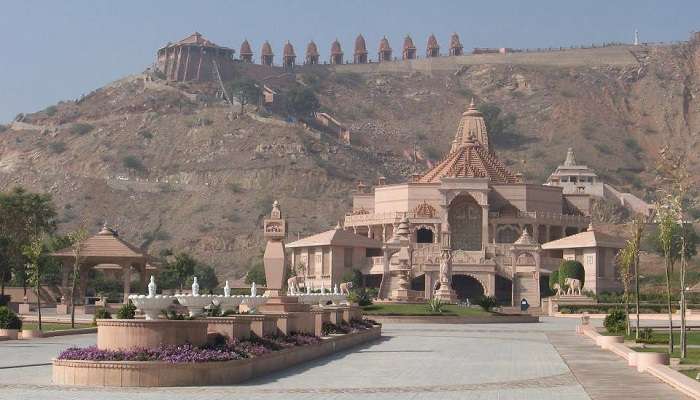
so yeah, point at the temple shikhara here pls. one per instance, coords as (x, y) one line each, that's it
(467, 227)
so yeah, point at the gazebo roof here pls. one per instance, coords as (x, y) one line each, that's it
(586, 239)
(336, 237)
(104, 246)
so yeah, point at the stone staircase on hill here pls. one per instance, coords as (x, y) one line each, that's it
(627, 200)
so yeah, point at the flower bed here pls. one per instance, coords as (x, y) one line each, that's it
(222, 349)
(257, 357)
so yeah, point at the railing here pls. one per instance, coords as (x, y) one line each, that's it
(575, 219)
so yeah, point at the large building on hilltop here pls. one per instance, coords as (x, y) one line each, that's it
(467, 227)
(195, 58)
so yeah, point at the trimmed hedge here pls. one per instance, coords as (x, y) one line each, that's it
(571, 269)
(607, 308)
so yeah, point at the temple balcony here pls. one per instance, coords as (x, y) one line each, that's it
(388, 218)
(540, 218)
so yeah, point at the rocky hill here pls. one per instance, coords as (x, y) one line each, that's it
(171, 165)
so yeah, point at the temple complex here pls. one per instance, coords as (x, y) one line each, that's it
(246, 53)
(336, 53)
(433, 48)
(266, 56)
(288, 56)
(194, 58)
(384, 53)
(409, 49)
(360, 54)
(312, 55)
(467, 227)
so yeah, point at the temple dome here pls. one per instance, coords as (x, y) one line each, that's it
(335, 47)
(471, 125)
(311, 49)
(384, 44)
(470, 160)
(288, 50)
(360, 45)
(432, 42)
(408, 43)
(454, 41)
(266, 49)
(245, 48)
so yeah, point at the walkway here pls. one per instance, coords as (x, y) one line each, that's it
(497, 361)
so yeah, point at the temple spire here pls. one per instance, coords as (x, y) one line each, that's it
(570, 159)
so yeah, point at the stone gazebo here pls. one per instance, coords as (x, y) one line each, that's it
(108, 252)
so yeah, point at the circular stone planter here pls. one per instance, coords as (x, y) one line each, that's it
(11, 334)
(605, 341)
(114, 334)
(32, 334)
(645, 360)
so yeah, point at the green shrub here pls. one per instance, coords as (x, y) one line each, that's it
(81, 129)
(127, 311)
(134, 163)
(553, 278)
(571, 269)
(57, 147)
(101, 313)
(645, 335)
(436, 305)
(9, 320)
(50, 110)
(487, 303)
(615, 322)
(360, 296)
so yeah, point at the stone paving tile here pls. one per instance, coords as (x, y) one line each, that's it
(411, 362)
(604, 375)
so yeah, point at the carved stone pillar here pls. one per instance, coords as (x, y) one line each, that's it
(126, 276)
(484, 226)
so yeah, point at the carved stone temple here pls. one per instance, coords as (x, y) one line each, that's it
(468, 226)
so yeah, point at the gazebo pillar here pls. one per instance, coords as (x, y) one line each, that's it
(82, 284)
(143, 276)
(126, 274)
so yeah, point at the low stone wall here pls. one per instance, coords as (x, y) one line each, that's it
(446, 319)
(655, 364)
(155, 373)
(115, 334)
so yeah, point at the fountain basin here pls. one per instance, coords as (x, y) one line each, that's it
(151, 306)
(228, 303)
(194, 304)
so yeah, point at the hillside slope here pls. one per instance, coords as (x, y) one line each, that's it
(171, 166)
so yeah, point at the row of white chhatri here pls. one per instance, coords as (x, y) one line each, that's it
(153, 304)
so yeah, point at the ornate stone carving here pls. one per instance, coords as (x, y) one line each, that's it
(425, 210)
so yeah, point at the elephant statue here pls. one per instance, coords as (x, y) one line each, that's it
(557, 289)
(294, 284)
(345, 287)
(574, 286)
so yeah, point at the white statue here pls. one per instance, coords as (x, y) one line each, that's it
(227, 290)
(152, 287)
(557, 289)
(323, 289)
(445, 266)
(294, 284)
(253, 290)
(308, 287)
(574, 286)
(335, 289)
(195, 287)
(345, 287)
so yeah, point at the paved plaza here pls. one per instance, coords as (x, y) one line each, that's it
(430, 361)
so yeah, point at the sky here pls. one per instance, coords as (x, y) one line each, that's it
(60, 49)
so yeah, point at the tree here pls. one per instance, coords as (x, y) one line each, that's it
(23, 217)
(637, 233)
(245, 90)
(571, 269)
(77, 239)
(667, 228)
(36, 255)
(182, 268)
(302, 102)
(501, 127)
(256, 273)
(206, 277)
(625, 261)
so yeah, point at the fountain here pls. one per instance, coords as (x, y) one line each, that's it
(228, 302)
(194, 302)
(152, 304)
(253, 301)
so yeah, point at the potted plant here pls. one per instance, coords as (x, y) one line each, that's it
(10, 323)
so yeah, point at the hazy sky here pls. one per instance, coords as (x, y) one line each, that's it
(55, 50)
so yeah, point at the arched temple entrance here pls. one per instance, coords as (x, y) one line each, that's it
(418, 283)
(504, 290)
(467, 287)
(424, 235)
(465, 223)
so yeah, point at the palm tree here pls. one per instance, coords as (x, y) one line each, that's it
(667, 229)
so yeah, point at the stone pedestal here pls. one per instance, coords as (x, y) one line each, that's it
(291, 315)
(231, 327)
(281, 304)
(401, 295)
(25, 308)
(446, 294)
(261, 325)
(320, 317)
(62, 309)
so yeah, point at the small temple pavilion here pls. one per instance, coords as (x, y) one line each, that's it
(597, 252)
(433, 48)
(108, 252)
(409, 49)
(195, 58)
(360, 54)
(384, 53)
(456, 48)
(311, 53)
(336, 53)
